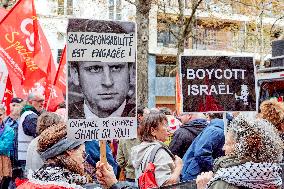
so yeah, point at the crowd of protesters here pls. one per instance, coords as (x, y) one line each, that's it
(36, 153)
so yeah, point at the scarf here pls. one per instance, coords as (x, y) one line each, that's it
(53, 174)
(251, 175)
(29, 108)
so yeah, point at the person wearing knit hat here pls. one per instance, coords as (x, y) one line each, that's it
(63, 161)
(253, 152)
(45, 120)
(273, 111)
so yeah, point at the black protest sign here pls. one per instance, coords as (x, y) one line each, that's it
(218, 83)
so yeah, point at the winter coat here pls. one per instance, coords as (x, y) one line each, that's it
(34, 161)
(164, 164)
(30, 122)
(6, 141)
(123, 156)
(93, 152)
(53, 177)
(206, 147)
(14, 125)
(254, 176)
(185, 135)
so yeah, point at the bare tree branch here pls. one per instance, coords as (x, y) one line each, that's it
(188, 21)
(132, 2)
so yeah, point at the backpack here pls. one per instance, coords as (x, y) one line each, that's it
(147, 179)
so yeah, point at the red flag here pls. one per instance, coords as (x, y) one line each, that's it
(8, 95)
(24, 48)
(178, 95)
(54, 93)
(48, 84)
(60, 78)
(3, 13)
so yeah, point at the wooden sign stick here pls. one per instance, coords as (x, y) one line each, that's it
(103, 158)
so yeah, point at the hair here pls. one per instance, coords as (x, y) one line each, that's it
(215, 115)
(51, 136)
(256, 140)
(165, 111)
(46, 120)
(152, 120)
(273, 111)
(140, 110)
(33, 95)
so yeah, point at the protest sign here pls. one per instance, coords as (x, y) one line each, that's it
(218, 83)
(101, 59)
(102, 128)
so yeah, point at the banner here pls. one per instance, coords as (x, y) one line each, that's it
(8, 95)
(3, 13)
(218, 83)
(24, 48)
(101, 57)
(178, 95)
(60, 78)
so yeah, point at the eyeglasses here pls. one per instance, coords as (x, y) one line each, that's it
(39, 100)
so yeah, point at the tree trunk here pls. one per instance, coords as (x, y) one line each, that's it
(142, 20)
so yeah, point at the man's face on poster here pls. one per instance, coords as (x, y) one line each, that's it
(105, 85)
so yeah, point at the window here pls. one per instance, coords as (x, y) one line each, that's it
(60, 9)
(69, 7)
(165, 70)
(114, 7)
(59, 54)
(165, 35)
(65, 7)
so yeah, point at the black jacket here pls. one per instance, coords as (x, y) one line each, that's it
(184, 136)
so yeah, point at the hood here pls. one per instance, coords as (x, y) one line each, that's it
(29, 108)
(217, 123)
(195, 126)
(139, 152)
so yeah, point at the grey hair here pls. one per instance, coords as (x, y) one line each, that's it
(256, 140)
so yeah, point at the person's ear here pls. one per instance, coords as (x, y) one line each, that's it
(153, 132)
(74, 75)
(189, 116)
(70, 152)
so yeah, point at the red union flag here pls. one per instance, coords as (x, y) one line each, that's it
(24, 48)
(8, 95)
(3, 12)
(60, 79)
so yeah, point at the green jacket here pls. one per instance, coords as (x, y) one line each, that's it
(123, 156)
